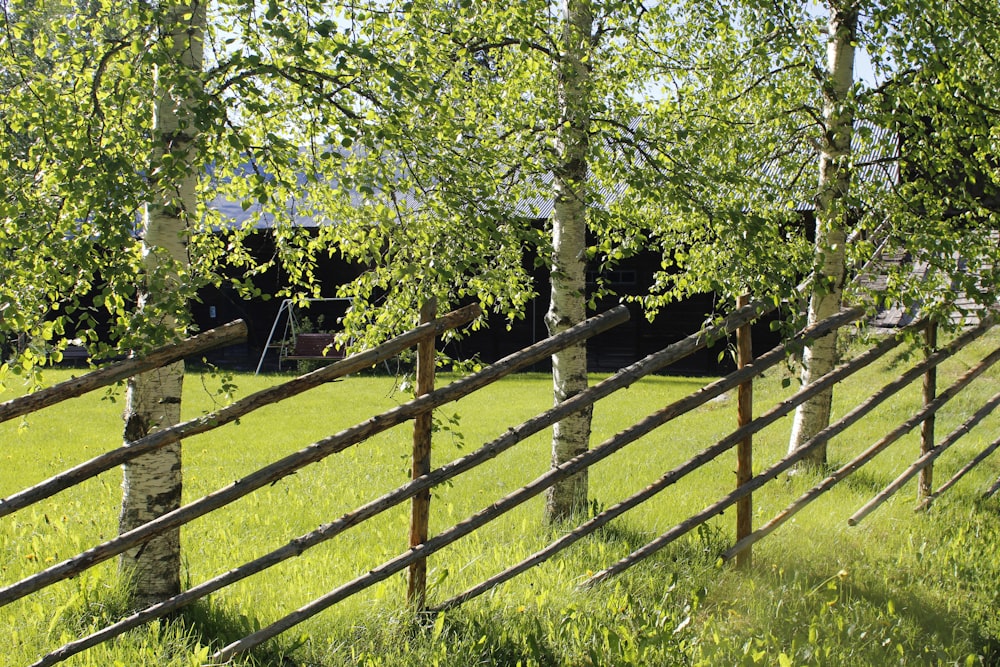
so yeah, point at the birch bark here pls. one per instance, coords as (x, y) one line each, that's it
(152, 483)
(567, 304)
(831, 222)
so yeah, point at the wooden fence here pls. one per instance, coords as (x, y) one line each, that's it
(425, 478)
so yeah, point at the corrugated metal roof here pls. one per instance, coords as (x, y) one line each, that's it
(542, 207)
(875, 157)
(875, 160)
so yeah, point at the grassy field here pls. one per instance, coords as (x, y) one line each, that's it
(901, 588)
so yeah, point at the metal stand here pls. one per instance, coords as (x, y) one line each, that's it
(291, 327)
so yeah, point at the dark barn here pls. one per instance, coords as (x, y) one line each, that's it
(610, 351)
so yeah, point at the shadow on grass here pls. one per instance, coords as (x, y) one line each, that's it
(705, 539)
(863, 482)
(201, 624)
(502, 641)
(216, 626)
(873, 617)
(621, 534)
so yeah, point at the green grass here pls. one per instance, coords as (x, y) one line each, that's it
(901, 588)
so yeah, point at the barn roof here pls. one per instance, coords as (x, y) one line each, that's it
(875, 159)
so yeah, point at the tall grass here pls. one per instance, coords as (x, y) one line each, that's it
(901, 588)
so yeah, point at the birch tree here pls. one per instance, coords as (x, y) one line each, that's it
(85, 153)
(784, 79)
(568, 298)
(927, 190)
(832, 220)
(770, 123)
(152, 483)
(500, 115)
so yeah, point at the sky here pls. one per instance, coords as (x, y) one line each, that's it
(863, 70)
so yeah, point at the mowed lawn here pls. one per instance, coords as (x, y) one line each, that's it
(901, 588)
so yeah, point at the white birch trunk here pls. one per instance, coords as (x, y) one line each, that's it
(152, 483)
(831, 223)
(568, 300)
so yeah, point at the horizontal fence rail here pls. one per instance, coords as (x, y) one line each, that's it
(993, 489)
(623, 378)
(227, 334)
(159, 439)
(855, 464)
(791, 459)
(979, 458)
(422, 484)
(311, 454)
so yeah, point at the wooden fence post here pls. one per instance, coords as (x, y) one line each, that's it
(744, 450)
(925, 486)
(416, 593)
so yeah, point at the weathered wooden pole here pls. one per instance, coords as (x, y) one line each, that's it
(925, 487)
(927, 459)
(227, 334)
(416, 593)
(331, 445)
(744, 450)
(980, 457)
